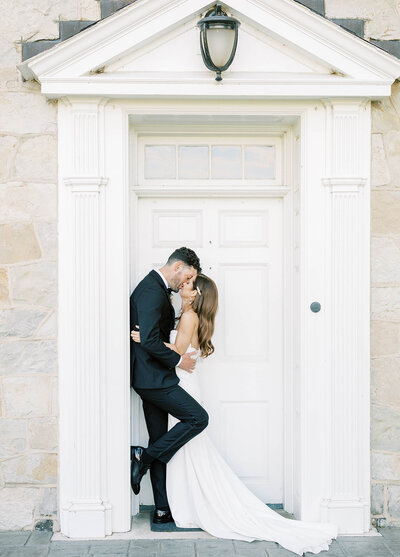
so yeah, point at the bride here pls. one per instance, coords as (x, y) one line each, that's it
(203, 491)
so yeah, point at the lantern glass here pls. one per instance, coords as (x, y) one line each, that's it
(220, 41)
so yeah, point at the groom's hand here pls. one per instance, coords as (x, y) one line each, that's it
(187, 363)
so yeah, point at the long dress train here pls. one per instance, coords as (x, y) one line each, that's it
(204, 492)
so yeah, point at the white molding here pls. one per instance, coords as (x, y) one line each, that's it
(99, 247)
(212, 191)
(85, 183)
(289, 88)
(67, 69)
(84, 506)
(347, 231)
(344, 185)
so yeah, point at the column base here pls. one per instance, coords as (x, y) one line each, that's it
(86, 519)
(351, 516)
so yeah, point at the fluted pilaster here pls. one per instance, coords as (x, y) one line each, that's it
(84, 506)
(347, 389)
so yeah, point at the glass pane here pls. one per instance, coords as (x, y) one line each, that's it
(259, 162)
(193, 162)
(159, 162)
(226, 161)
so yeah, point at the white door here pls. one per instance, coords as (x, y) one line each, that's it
(239, 242)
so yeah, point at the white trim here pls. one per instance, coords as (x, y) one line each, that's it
(284, 192)
(68, 68)
(311, 434)
(330, 142)
(263, 191)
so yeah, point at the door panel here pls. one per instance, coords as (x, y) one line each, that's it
(239, 242)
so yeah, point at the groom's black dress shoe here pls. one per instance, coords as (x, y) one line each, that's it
(138, 468)
(161, 517)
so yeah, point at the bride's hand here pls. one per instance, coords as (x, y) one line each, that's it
(136, 335)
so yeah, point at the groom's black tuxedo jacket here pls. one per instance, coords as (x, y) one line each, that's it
(152, 363)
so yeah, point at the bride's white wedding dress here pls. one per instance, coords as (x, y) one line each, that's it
(204, 492)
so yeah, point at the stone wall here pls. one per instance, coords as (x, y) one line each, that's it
(28, 269)
(385, 308)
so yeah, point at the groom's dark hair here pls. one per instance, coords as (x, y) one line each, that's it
(187, 256)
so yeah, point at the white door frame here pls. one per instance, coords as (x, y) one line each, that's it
(330, 365)
(285, 192)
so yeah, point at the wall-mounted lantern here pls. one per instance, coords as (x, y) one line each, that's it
(218, 39)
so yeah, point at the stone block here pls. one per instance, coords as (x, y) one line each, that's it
(17, 505)
(72, 548)
(385, 388)
(204, 548)
(28, 202)
(30, 356)
(48, 502)
(33, 48)
(385, 466)
(25, 112)
(385, 338)
(49, 328)
(385, 303)
(382, 17)
(54, 397)
(355, 26)
(35, 468)
(73, 27)
(36, 159)
(390, 46)
(18, 243)
(115, 547)
(26, 396)
(394, 501)
(109, 7)
(377, 499)
(42, 21)
(89, 9)
(380, 174)
(10, 540)
(8, 150)
(384, 116)
(391, 143)
(385, 211)
(385, 260)
(4, 298)
(13, 438)
(34, 284)
(20, 322)
(43, 433)
(385, 428)
(38, 537)
(46, 232)
(395, 97)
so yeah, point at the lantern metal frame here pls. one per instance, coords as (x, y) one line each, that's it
(216, 16)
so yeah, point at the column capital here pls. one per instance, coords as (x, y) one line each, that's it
(85, 183)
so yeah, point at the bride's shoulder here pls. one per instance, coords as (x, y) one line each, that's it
(189, 317)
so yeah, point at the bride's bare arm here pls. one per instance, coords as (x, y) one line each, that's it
(171, 346)
(187, 325)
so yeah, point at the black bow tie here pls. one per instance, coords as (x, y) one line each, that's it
(169, 290)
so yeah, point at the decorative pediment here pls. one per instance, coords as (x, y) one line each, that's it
(152, 48)
(179, 51)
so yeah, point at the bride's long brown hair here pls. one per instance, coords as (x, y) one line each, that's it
(205, 305)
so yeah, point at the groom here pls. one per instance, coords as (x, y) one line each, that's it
(153, 376)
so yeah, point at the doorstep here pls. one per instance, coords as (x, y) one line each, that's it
(140, 530)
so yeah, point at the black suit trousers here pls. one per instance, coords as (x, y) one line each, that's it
(163, 444)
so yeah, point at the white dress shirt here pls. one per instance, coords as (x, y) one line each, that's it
(166, 286)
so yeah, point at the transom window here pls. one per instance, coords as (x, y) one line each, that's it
(197, 160)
